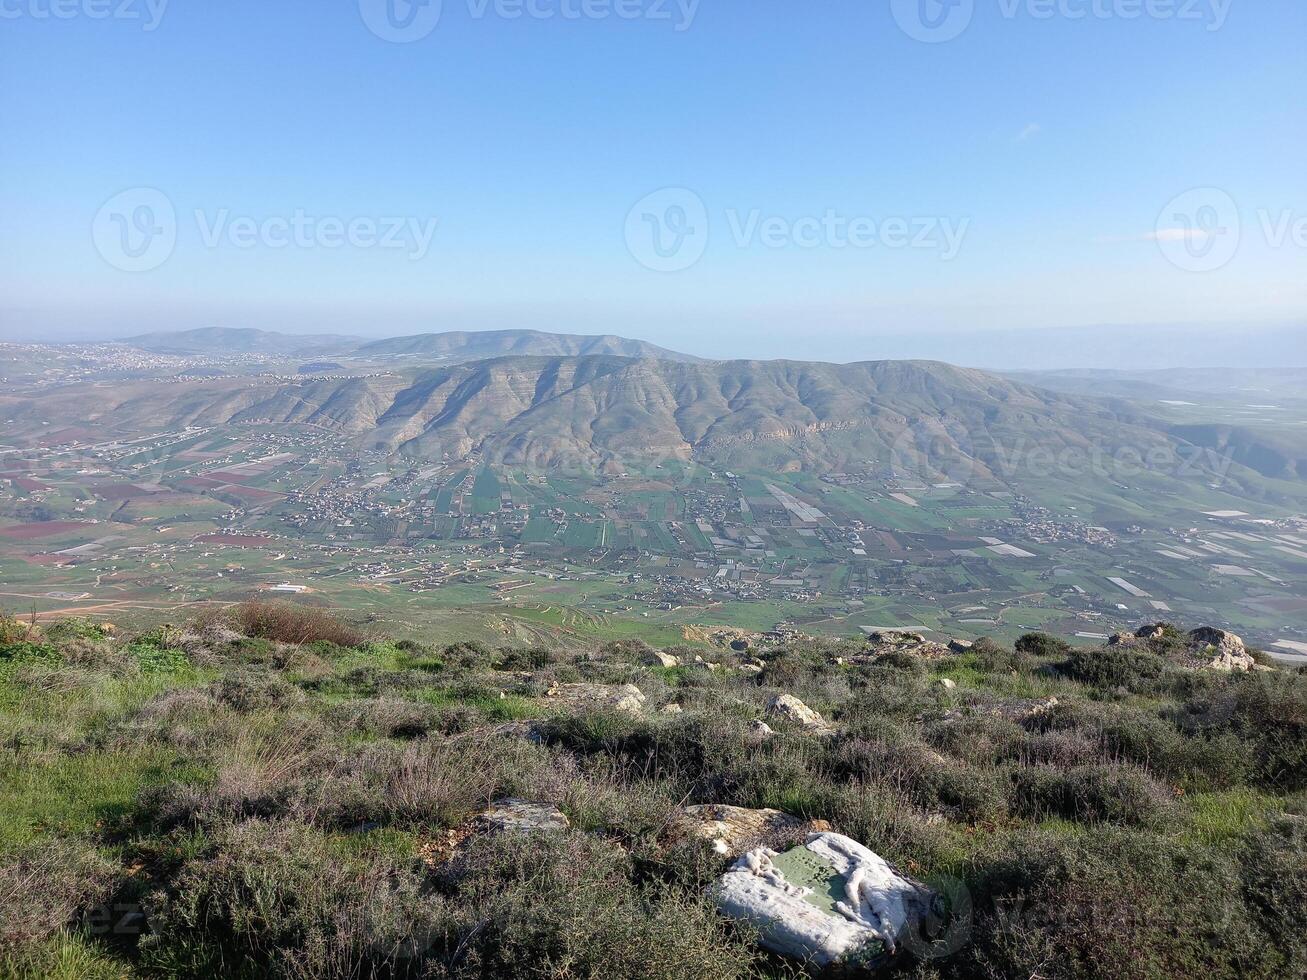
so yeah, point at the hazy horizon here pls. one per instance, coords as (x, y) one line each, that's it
(840, 183)
(1092, 347)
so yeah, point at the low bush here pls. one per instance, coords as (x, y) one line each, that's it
(1117, 667)
(1043, 645)
(47, 886)
(286, 622)
(1087, 794)
(1266, 711)
(1117, 904)
(991, 658)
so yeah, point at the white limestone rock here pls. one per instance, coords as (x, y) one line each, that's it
(790, 709)
(831, 901)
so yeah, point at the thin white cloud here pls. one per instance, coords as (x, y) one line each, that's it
(1032, 130)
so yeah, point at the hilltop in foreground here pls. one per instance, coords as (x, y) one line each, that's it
(270, 792)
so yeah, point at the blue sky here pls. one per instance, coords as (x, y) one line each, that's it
(1023, 174)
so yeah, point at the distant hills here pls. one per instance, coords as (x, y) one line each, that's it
(541, 400)
(230, 340)
(453, 346)
(496, 343)
(926, 420)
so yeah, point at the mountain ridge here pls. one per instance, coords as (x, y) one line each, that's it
(925, 419)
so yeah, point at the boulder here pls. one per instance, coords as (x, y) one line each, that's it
(829, 902)
(947, 683)
(519, 816)
(655, 658)
(1152, 631)
(959, 646)
(760, 731)
(790, 709)
(671, 709)
(1226, 650)
(617, 697)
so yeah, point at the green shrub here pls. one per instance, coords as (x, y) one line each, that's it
(1267, 711)
(1087, 794)
(1274, 868)
(24, 654)
(991, 658)
(1117, 667)
(1043, 645)
(1114, 904)
(62, 630)
(280, 899)
(549, 905)
(978, 739)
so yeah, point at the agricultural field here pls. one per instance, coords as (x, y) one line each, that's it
(148, 527)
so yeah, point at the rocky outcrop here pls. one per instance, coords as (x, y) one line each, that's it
(575, 697)
(831, 902)
(1221, 649)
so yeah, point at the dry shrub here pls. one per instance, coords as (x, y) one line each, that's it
(386, 717)
(13, 630)
(44, 886)
(263, 764)
(445, 782)
(279, 899)
(420, 784)
(286, 622)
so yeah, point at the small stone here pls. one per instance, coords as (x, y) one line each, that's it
(671, 709)
(760, 731)
(948, 684)
(519, 816)
(732, 829)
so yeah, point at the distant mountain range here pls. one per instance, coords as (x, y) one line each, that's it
(496, 343)
(540, 400)
(917, 420)
(453, 346)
